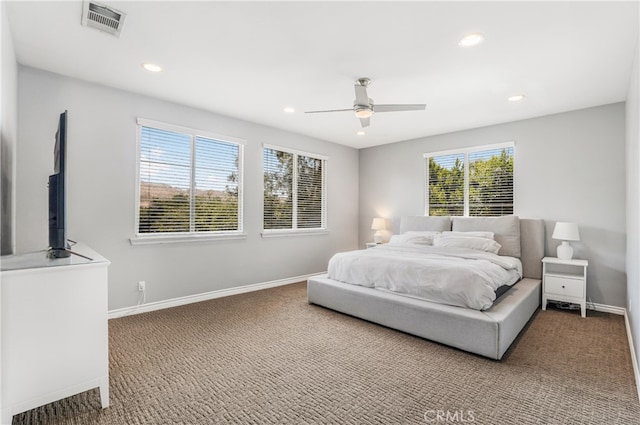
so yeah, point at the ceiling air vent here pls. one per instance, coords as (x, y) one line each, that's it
(102, 17)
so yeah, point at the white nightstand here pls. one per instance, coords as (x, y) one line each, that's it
(565, 280)
(371, 244)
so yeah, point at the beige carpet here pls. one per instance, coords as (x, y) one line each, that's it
(270, 358)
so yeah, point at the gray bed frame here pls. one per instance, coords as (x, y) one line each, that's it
(488, 333)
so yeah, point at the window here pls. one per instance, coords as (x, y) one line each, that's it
(189, 183)
(470, 182)
(294, 190)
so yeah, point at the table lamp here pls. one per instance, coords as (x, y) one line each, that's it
(565, 232)
(378, 224)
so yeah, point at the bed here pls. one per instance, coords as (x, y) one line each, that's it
(488, 332)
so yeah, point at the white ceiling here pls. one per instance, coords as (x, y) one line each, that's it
(249, 60)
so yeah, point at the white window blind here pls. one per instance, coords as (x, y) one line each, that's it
(491, 182)
(216, 186)
(470, 182)
(278, 189)
(188, 183)
(310, 192)
(446, 184)
(294, 190)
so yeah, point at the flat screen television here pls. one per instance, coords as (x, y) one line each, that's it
(58, 244)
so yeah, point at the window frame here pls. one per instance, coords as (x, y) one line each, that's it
(465, 152)
(295, 231)
(191, 236)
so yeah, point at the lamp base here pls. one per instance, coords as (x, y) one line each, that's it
(565, 251)
(378, 237)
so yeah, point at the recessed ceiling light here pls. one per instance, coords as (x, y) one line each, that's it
(471, 40)
(288, 109)
(360, 133)
(515, 97)
(152, 67)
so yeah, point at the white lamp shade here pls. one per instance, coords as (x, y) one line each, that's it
(566, 231)
(378, 224)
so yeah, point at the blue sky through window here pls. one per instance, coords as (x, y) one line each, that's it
(165, 158)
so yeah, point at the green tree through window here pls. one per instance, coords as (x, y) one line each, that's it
(446, 185)
(475, 182)
(188, 183)
(278, 189)
(491, 183)
(294, 194)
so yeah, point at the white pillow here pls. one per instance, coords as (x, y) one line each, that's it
(470, 242)
(486, 235)
(415, 237)
(506, 229)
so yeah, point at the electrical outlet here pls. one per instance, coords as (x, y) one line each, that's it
(142, 286)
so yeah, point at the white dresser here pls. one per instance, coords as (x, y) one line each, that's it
(54, 340)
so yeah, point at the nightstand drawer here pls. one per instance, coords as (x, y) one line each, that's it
(564, 286)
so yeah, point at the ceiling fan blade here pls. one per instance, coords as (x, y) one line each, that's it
(330, 110)
(393, 108)
(364, 122)
(361, 95)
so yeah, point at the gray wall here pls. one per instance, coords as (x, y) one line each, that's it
(568, 167)
(8, 136)
(101, 197)
(633, 202)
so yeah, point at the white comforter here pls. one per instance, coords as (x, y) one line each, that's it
(453, 276)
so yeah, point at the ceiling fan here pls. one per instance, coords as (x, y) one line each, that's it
(363, 106)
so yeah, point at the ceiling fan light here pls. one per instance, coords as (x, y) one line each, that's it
(364, 112)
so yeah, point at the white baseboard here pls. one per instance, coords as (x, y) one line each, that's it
(175, 302)
(632, 349)
(621, 311)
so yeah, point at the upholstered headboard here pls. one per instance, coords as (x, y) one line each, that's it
(532, 246)
(520, 237)
(425, 223)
